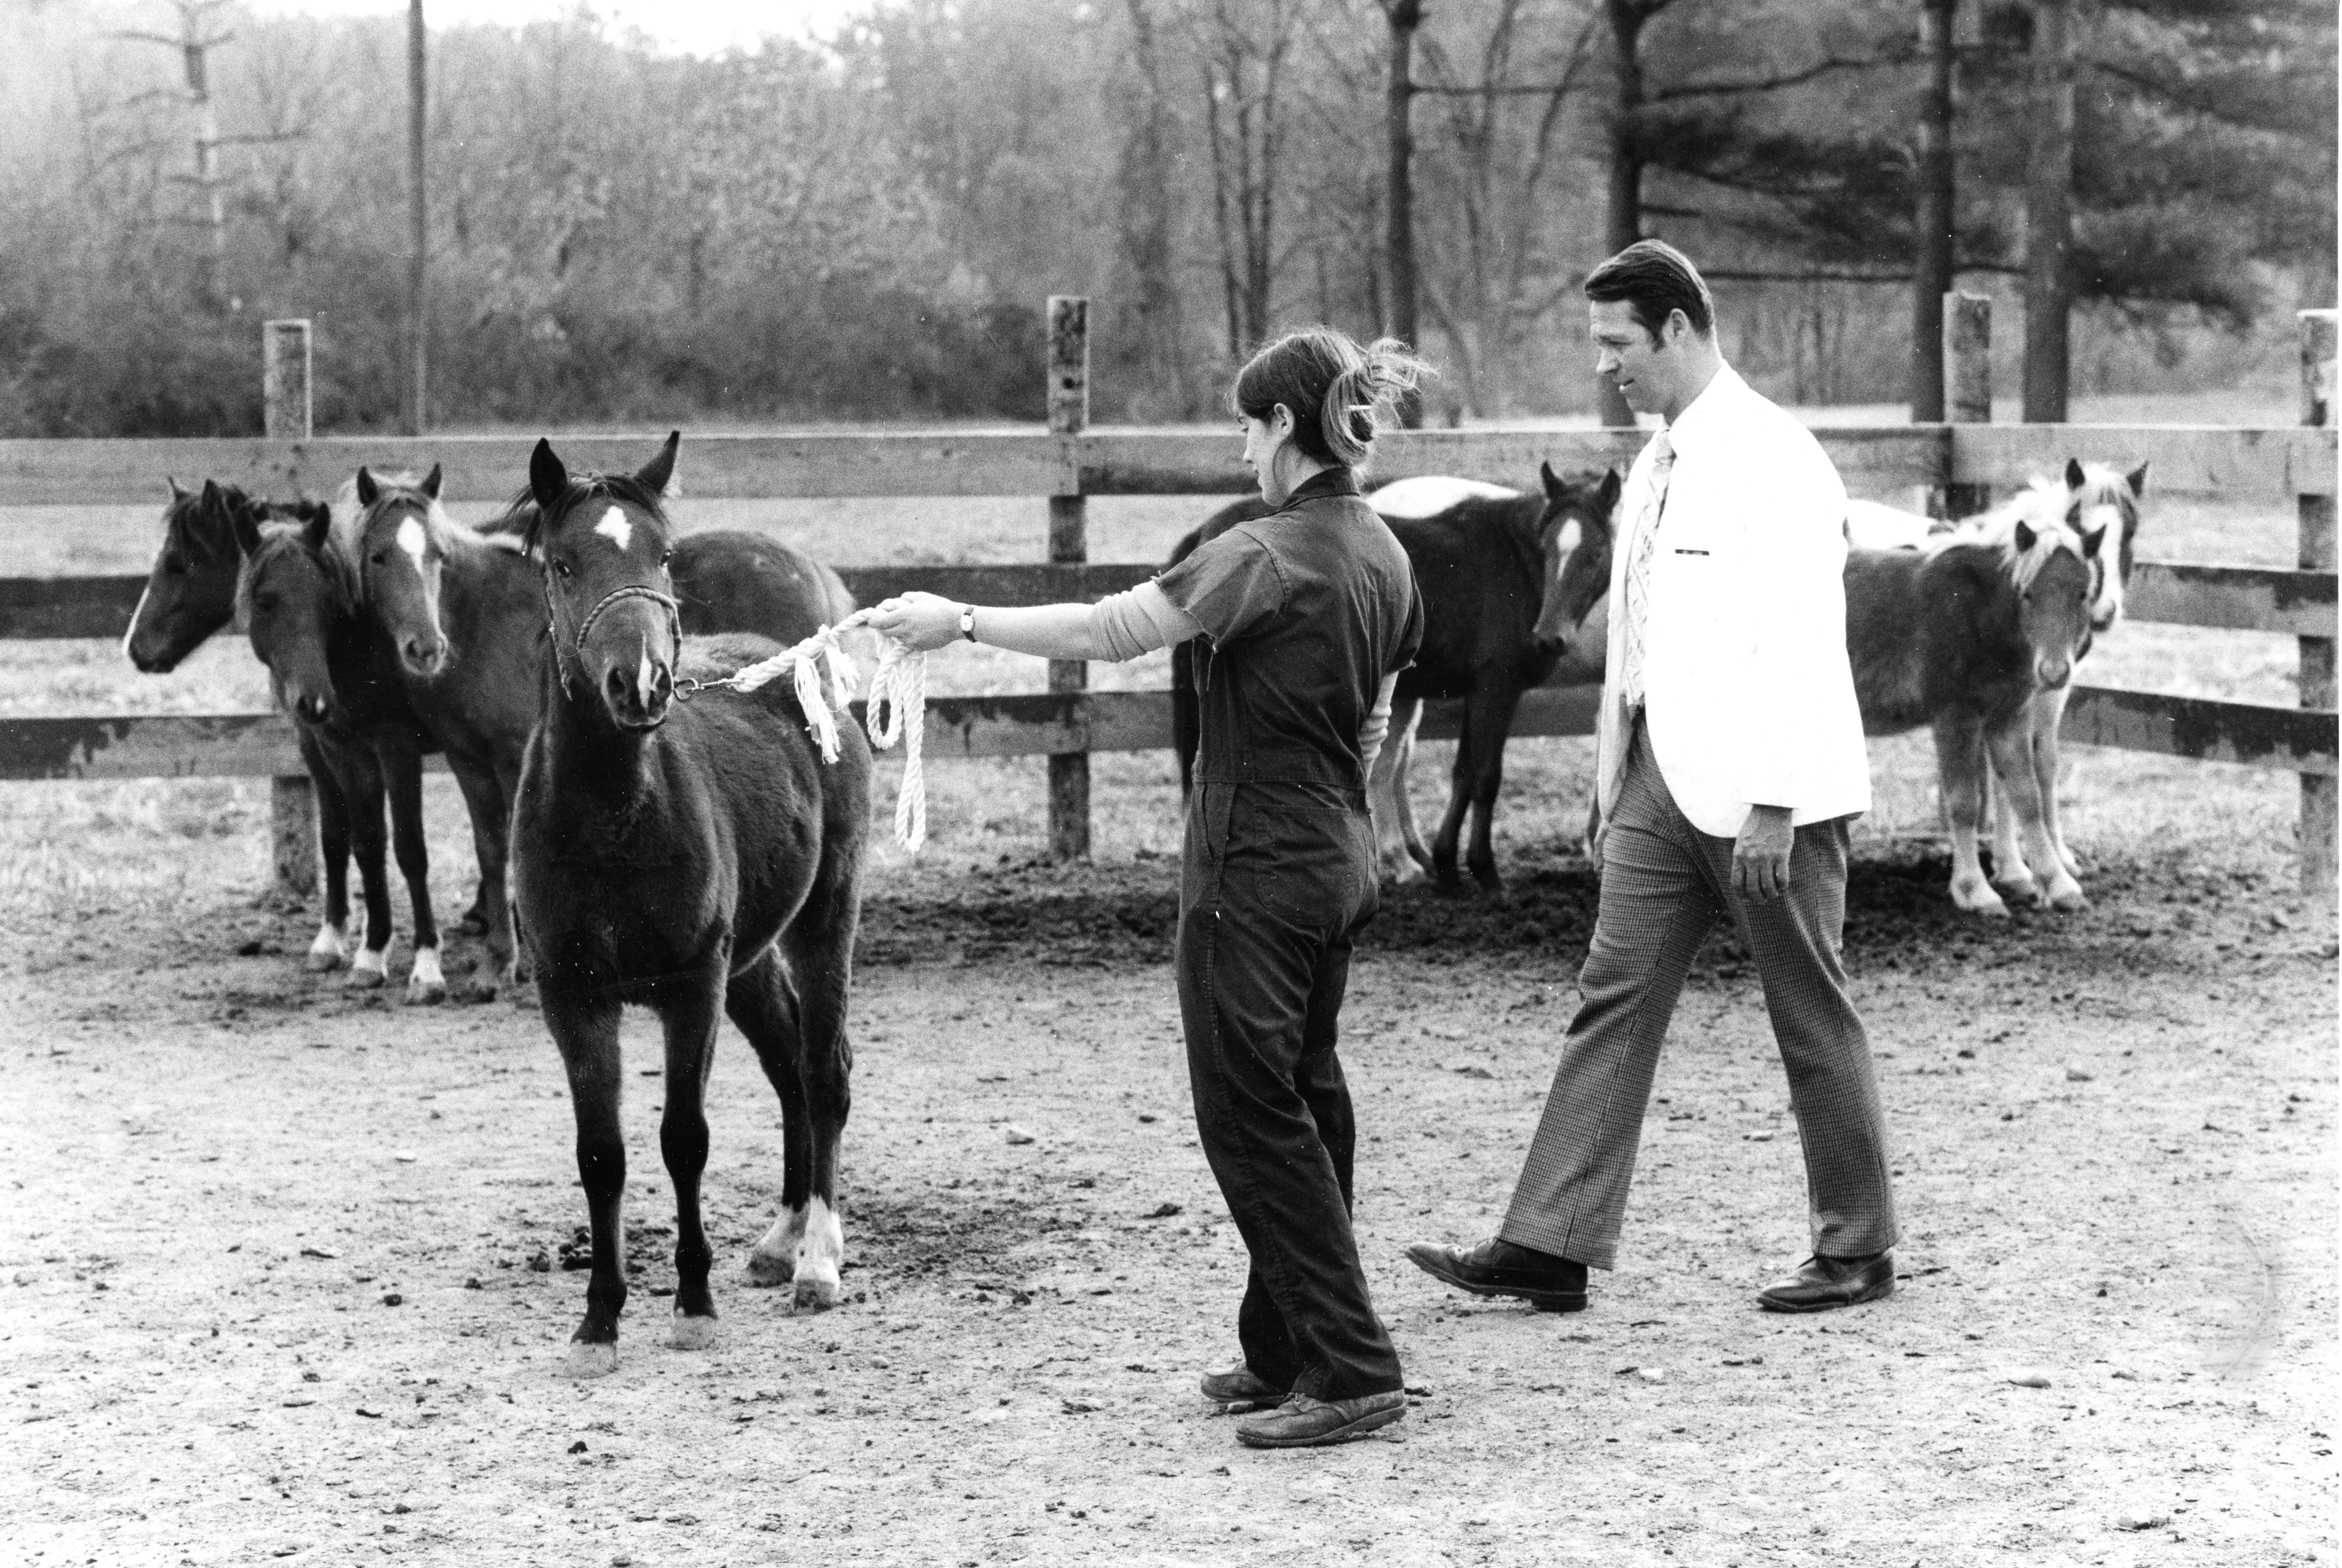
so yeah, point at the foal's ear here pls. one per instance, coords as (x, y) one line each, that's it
(431, 483)
(1551, 481)
(2025, 538)
(243, 523)
(178, 492)
(368, 491)
(2136, 480)
(2075, 477)
(316, 523)
(1606, 499)
(549, 481)
(658, 475)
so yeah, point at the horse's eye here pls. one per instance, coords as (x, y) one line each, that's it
(378, 557)
(666, 556)
(561, 568)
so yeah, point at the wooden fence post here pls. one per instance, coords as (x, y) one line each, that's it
(2318, 793)
(1070, 415)
(286, 406)
(1967, 385)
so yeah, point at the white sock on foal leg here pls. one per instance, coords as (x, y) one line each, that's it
(773, 1260)
(423, 981)
(330, 949)
(820, 1258)
(371, 967)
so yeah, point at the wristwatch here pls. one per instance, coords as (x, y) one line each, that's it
(967, 622)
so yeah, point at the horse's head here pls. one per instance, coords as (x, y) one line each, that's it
(603, 540)
(294, 591)
(2056, 572)
(401, 539)
(191, 587)
(1574, 532)
(2101, 499)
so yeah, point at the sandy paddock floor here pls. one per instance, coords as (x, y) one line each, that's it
(284, 1263)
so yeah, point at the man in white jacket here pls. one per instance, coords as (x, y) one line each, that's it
(1730, 762)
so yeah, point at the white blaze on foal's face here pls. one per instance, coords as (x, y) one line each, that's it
(617, 528)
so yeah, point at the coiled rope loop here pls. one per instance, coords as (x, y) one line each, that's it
(898, 710)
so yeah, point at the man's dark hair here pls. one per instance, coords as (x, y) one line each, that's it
(1657, 280)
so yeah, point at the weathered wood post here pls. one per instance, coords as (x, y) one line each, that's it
(286, 406)
(1070, 415)
(1967, 387)
(2319, 793)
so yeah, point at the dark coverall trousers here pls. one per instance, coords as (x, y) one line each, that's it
(1277, 884)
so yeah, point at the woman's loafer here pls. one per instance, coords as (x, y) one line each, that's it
(1302, 1421)
(1821, 1284)
(1241, 1385)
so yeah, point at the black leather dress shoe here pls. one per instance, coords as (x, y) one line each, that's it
(1821, 1284)
(1500, 1268)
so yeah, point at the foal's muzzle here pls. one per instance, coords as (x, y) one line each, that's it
(638, 698)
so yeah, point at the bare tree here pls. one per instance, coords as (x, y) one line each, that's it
(1932, 259)
(1146, 207)
(2049, 214)
(1245, 51)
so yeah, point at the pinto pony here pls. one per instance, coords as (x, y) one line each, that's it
(698, 858)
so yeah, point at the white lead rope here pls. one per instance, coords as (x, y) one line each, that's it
(898, 710)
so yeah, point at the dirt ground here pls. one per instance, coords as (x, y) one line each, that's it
(281, 1270)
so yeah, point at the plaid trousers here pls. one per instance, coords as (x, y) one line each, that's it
(1664, 883)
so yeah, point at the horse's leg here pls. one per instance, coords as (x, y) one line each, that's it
(2011, 876)
(362, 793)
(402, 771)
(819, 946)
(2012, 753)
(587, 1030)
(2048, 718)
(1959, 769)
(690, 1009)
(763, 1005)
(1386, 795)
(484, 803)
(330, 949)
(1403, 796)
(1459, 801)
(1490, 723)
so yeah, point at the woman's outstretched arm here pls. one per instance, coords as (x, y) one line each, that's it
(1120, 628)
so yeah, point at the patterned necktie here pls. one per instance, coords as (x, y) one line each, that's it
(1638, 566)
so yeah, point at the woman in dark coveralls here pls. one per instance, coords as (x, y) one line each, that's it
(1302, 620)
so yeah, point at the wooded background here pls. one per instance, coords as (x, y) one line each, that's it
(866, 225)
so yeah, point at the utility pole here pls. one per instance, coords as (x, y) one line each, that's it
(418, 234)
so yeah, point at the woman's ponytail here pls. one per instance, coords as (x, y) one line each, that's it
(1340, 394)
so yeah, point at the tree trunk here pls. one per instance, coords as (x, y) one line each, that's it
(1932, 262)
(1402, 323)
(1623, 219)
(1147, 186)
(2048, 214)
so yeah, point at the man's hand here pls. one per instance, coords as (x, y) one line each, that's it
(1760, 857)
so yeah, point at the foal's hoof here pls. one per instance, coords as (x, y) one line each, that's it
(322, 959)
(815, 1296)
(769, 1271)
(2065, 894)
(2018, 890)
(1978, 898)
(590, 1360)
(692, 1333)
(366, 977)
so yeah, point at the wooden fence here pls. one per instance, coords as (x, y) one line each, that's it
(2292, 466)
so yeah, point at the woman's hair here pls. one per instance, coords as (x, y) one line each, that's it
(1340, 394)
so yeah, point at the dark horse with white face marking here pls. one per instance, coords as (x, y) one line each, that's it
(1488, 561)
(698, 858)
(358, 739)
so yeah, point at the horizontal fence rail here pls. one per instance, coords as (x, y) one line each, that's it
(244, 745)
(2236, 598)
(2258, 464)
